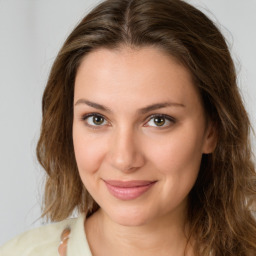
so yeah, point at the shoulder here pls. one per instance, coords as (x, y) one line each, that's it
(39, 241)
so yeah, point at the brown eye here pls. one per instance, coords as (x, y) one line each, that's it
(159, 121)
(98, 120)
(94, 120)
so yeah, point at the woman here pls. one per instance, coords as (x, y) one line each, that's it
(144, 133)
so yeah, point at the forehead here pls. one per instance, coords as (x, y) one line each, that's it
(134, 75)
(140, 60)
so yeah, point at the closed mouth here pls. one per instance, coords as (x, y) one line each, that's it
(128, 190)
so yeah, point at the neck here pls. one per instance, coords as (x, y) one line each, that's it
(162, 236)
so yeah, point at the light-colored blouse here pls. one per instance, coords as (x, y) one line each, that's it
(45, 240)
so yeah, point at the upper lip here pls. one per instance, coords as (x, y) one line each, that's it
(129, 184)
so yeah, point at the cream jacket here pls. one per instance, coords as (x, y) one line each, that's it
(45, 240)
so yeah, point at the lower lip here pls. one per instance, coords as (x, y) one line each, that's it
(128, 193)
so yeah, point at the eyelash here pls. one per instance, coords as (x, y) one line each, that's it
(166, 117)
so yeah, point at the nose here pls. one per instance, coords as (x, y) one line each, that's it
(125, 153)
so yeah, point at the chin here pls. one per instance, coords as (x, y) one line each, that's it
(130, 217)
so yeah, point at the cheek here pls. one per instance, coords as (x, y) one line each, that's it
(178, 156)
(177, 160)
(88, 151)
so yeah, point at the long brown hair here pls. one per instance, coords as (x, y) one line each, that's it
(220, 203)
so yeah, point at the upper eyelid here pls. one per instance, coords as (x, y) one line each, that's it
(93, 114)
(150, 116)
(162, 115)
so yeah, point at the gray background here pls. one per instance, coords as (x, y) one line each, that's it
(31, 33)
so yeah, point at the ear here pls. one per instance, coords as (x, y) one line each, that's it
(211, 138)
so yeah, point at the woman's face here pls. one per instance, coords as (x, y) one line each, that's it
(139, 132)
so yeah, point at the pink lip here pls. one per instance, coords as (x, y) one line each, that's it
(128, 190)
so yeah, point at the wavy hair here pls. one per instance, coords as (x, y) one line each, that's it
(220, 210)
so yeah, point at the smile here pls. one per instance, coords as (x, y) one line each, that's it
(128, 190)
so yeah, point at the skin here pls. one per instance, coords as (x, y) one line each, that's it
(130, 145)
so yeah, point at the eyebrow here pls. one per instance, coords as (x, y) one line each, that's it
(140, 111)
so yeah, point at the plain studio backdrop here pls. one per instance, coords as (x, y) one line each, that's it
(31, 34)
